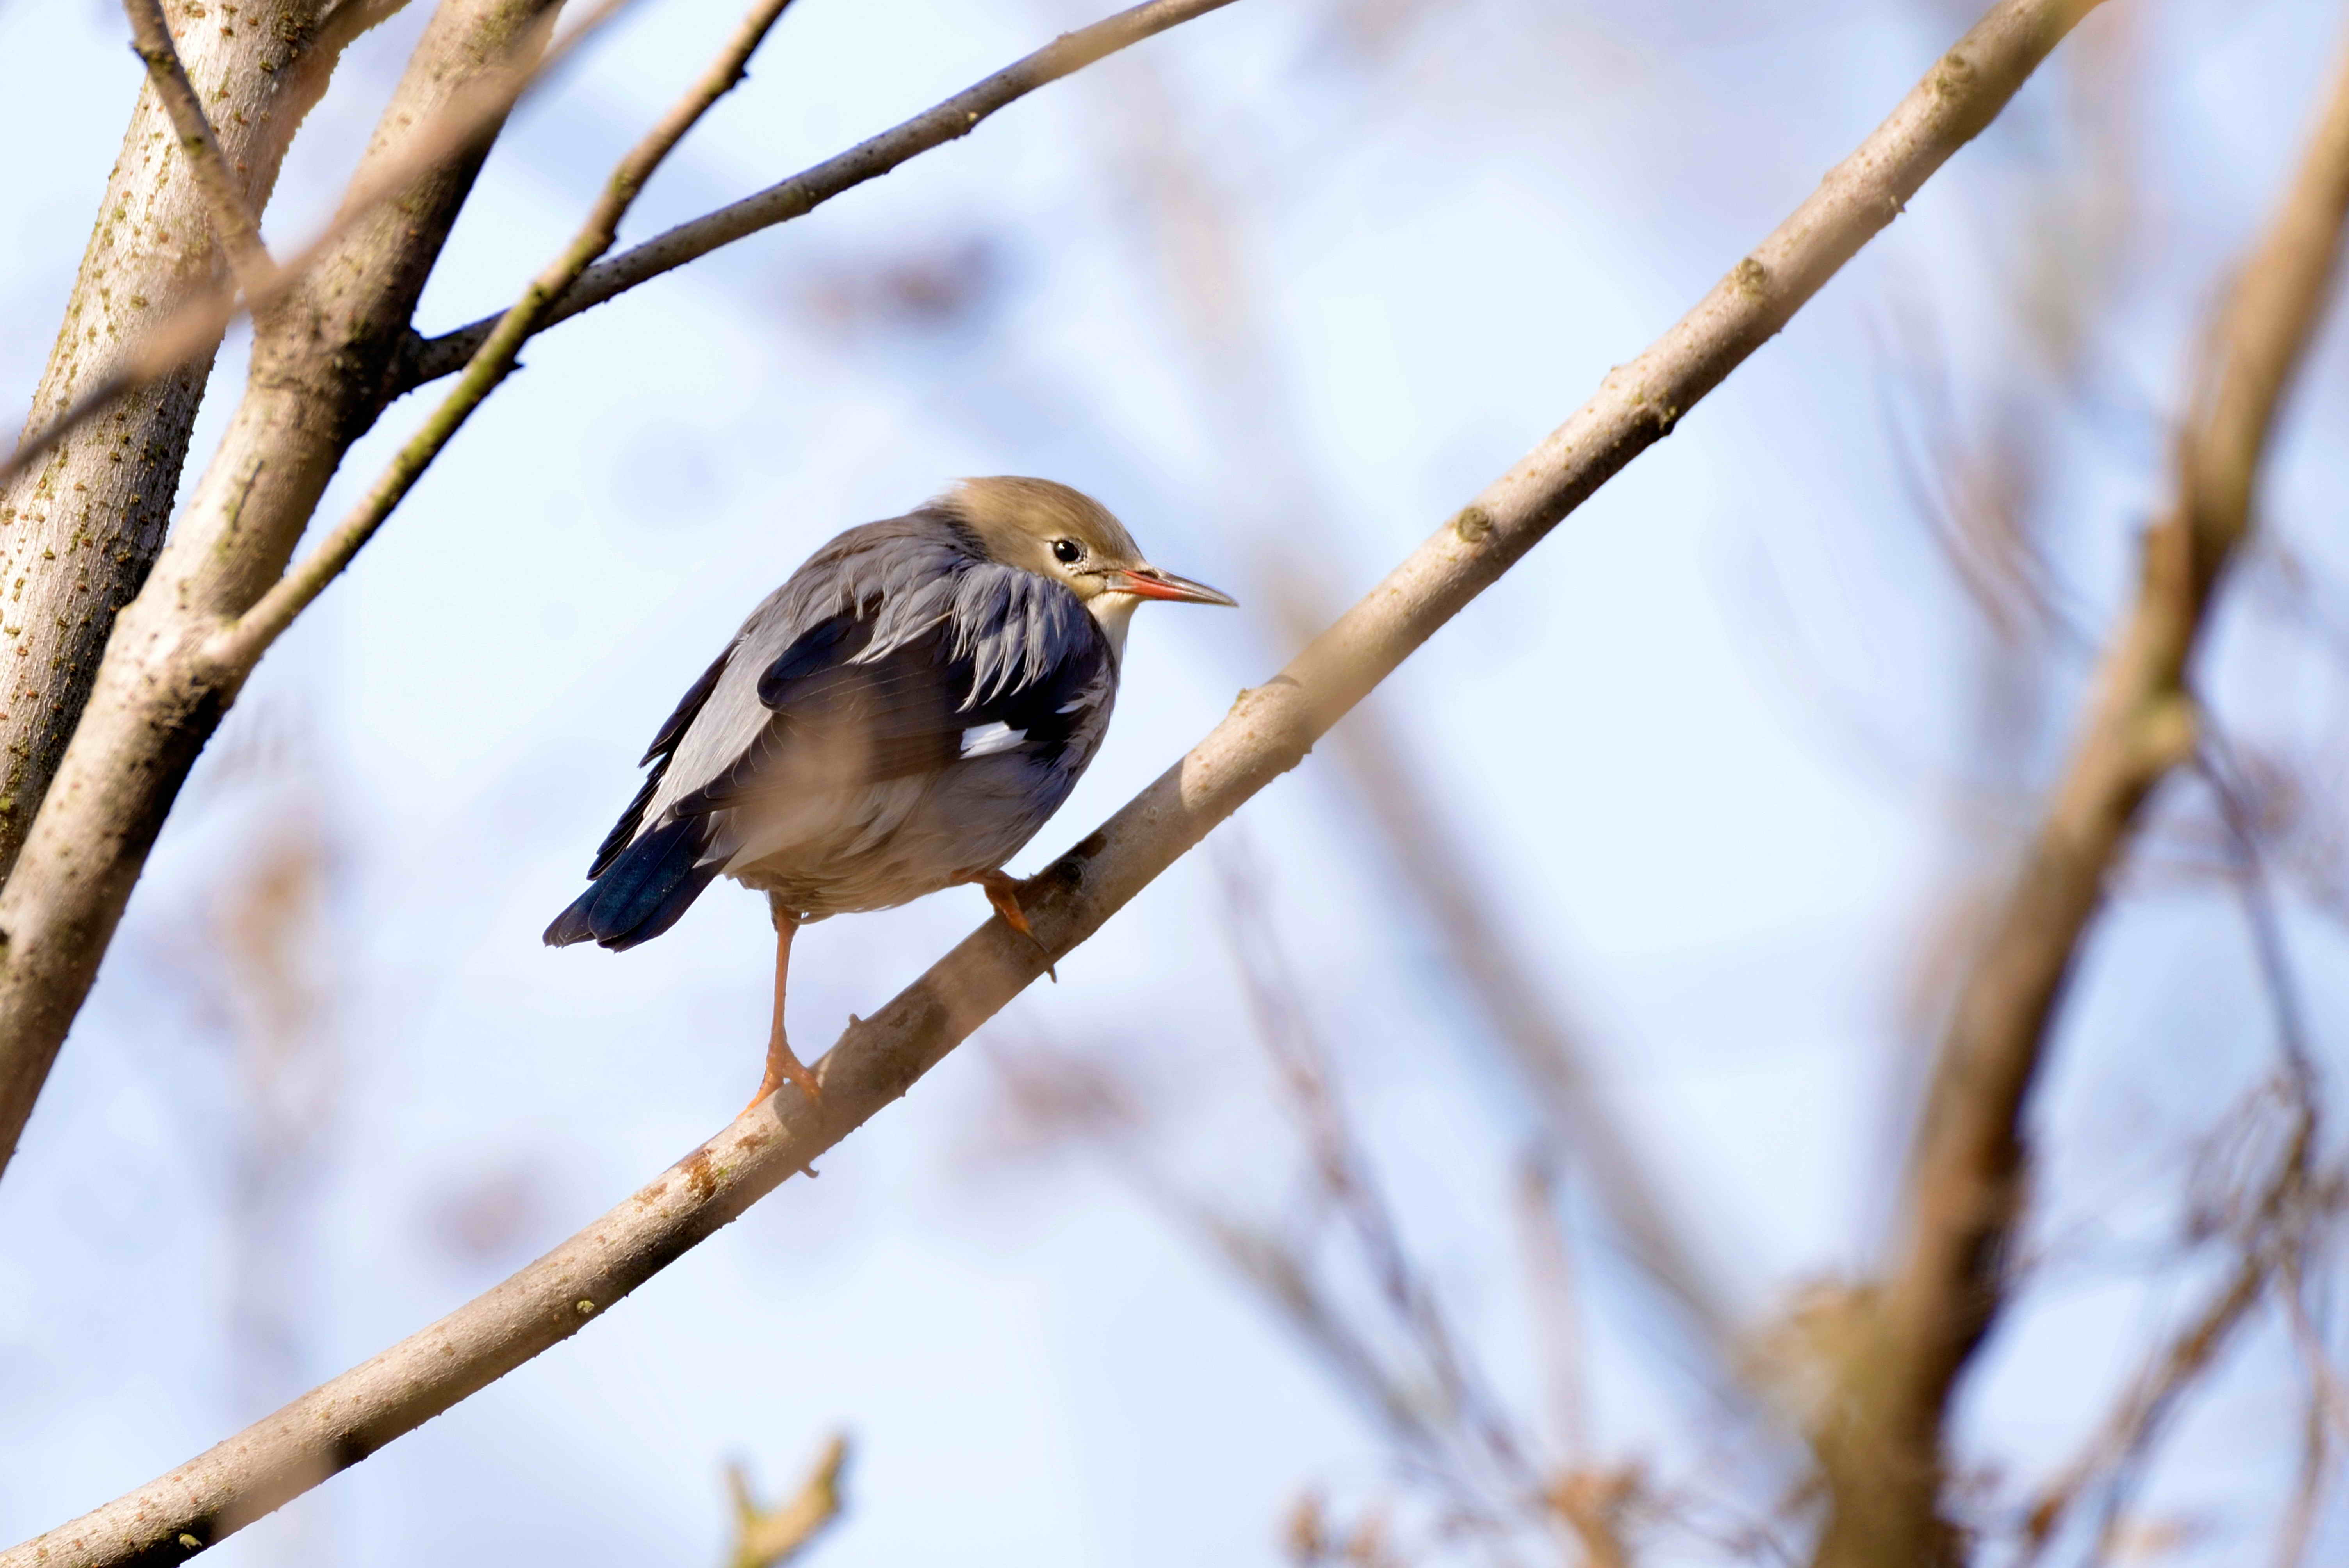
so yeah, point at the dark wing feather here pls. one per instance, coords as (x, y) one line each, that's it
(907, 707)
(639, 886)
(663, 747)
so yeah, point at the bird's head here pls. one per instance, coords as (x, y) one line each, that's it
(1068, 536)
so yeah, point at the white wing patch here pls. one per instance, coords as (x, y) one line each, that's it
(987, 739)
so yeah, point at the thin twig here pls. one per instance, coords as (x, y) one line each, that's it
(1268, 732)
(1467, 1416)
(1964, 1189)
(2322, 1375)
(2308, 1489)
(802, 193)
(232, 220)
(1556, 1310)
(2218, 766)
(1547, 1051)
(239, 646)
(2129, 1430)
(196, 327)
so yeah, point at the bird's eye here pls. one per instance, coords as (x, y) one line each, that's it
(1068, 552)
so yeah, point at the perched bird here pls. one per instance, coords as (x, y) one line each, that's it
(901, 717)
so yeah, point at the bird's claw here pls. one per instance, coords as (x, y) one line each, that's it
(1003, 892)
(784, 1068)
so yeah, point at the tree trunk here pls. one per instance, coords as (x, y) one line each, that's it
(80, 531)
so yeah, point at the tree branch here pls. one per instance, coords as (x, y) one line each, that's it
(430, 359)
(2130, 1428)
(199, 319)
(1547, 1051)
(316, 386)
(1964, 1188)
(232, 220)
(771, 1537)
(1268, 732)
(81, 522)
(241, 646)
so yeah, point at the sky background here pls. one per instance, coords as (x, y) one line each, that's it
(1721, 752)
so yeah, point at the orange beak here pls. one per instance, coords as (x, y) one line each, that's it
(1149, 583)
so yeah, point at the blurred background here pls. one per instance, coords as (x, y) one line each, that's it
(1289, 1225)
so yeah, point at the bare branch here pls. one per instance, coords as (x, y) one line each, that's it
(2324, 1379)
(1546, 1048)
(1964, 1187)
(802, 193)
(877, 1060)
(80, 528)
(1461, 1416)
(2308, 1490)
(240, 647)
(2132, 1425)
(232, 220)
(196, 325)
(316, 388)
(771, 1537)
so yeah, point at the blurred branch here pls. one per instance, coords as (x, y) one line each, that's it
(2275, 1229)
(1593, 1503)
(1268, 732)
(2308, 1489)
(1964, 1188)
(1543, 1046)
(240, 646)
(1463, 1422)
(233, 222)
(1557, 1314)
(430, 359)
(771, 1537)
(2324, 1377)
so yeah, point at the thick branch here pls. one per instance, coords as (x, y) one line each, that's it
(959, 115)
(81, 526)
(232, 220)
(200, 318)
(316, 384)
(1965, 1184)
(1267, 733)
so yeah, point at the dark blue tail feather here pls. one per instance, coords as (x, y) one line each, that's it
(642, 892)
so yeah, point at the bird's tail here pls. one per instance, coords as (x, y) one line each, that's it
(641, 893)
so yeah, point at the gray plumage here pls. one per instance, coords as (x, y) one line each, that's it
(903, 715)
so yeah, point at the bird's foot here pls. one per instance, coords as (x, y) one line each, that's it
(1003, 891)
(784, 1068)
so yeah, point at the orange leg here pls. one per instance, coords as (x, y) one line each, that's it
(782, 1067)
(1003, 892)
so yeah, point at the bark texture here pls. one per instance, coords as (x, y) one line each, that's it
(79, 532)
(1269, 731)
(319, 361)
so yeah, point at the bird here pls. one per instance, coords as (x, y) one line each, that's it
(901, 717)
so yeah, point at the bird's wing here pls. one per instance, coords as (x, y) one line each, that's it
(657, 755)
(1007, 661)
